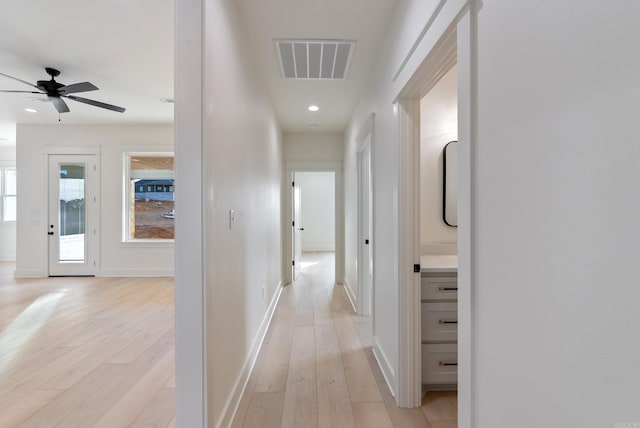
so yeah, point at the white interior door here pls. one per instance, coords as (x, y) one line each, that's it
(297, 229)
(72, 228)
(365, 225)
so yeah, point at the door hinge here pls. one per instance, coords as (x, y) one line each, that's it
(416, 268)
(366, 242)
(293, 184)
(293, 223)
(293, 262)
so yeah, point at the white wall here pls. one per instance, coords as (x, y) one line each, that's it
(243, 168)
(555, 247)
(557, 235)
(313, 146)
(7, 230)
(116, 258)
(318, 210)
(438, 126)
(407, 23)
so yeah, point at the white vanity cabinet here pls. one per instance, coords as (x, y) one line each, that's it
(439, 305)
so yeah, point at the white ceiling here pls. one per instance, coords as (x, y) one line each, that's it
(364, 21)
(125, 48)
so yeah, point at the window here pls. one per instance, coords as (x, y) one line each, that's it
(149, 195)
(8, 192)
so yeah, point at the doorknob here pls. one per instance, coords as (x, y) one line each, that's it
(51, 231)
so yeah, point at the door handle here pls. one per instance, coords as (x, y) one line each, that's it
(302, 228)
(49, 233)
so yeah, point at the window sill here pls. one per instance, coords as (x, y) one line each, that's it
(148, 243)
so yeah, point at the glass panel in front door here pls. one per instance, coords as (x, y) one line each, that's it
(72, 213)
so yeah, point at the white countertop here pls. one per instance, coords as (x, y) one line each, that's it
(439, 264)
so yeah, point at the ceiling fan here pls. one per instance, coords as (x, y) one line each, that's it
(57, 91)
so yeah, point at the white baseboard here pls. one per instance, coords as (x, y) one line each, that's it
(30, 273)
(386, 369)
(439, 248)
(118, 273)
(351, 295)
(232, 404)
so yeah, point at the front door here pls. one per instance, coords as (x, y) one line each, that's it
(73, 200)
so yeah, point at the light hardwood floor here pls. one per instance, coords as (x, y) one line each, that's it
(86, 352)
(98, 352)
(316, 367)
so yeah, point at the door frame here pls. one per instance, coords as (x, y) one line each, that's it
(92, 213)
(71, 151)
(456, 44)
(296, 228)
(312, 166)
(364, 141)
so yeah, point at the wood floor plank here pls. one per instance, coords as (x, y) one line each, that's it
(347, 377)
(400, 417)
(371, 415)
(54, 365)
(362, 384)
(275, 368)
(132, 403)
(69, 401)
(265, 410)
(159, 412)
(300, 403)
(23, 409)
(440, 405)
(334, 406)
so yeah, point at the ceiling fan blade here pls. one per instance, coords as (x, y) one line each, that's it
(96, 103)
(59, 104)
(22, 92)
(19, 80)
(77, 87)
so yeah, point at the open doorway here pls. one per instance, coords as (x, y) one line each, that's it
(314, 221)
(454, 48)
(319, 226)
(438, 243)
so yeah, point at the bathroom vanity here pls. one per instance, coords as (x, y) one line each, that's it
(439, 307)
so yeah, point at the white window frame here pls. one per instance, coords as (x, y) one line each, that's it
(3, 191)
(126, 209)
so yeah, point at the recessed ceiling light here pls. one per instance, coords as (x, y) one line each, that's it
(313, 108)
(31, 110)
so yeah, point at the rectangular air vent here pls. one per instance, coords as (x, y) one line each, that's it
(315, 59)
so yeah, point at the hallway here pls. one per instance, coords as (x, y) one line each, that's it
(316, 367)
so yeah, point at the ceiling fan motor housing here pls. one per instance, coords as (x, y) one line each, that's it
(50, 87)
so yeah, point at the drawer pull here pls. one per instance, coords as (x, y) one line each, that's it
(447, 322)
(447, 288)
(443, 364)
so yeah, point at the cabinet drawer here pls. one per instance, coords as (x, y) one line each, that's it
(439, 287)
(439, 322)
(440, 363)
